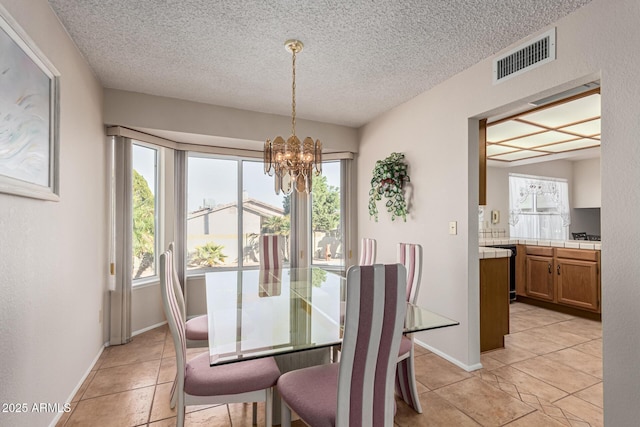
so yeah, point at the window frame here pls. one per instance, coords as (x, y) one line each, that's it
(340, 268)
(240, 161)
(158, 214)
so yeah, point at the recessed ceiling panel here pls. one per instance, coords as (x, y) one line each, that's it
(573, 145)
(518, 155)
(508, 130)
(539, 139)
(567, 113)
(589, 128)
(494, 150)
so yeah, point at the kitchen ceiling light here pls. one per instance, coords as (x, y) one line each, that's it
(291, 161)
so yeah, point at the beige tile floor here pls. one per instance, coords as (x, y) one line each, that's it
(549, 374)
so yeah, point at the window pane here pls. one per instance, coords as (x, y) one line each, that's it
(263, 211)
(212, 213)
(538, 207)
(326, 216)
(144, 211)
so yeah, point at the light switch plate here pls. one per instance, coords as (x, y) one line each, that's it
(453, 227)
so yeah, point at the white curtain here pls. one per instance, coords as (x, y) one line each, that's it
(538, 207)
(120, 295)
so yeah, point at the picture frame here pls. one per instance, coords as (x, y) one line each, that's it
(29, 116)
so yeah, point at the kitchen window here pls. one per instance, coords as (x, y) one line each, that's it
(538, 207)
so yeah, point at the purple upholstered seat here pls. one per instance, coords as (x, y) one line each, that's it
(318, 402)
(358, 391)
(197, 328)
(196, 382)
(409, 255)
(405, 346)
(201, 379)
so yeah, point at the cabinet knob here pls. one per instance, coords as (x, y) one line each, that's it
(558, 269)
(549, 268)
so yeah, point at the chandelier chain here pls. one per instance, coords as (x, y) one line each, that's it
(293, 96)
(293, 162)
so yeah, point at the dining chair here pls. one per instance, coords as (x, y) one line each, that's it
(270, 282)
(409, 255)
(200, 384)
(359, 390)
(367, 251)
(271, 251)
(196, 328)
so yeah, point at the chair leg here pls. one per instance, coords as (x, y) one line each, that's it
(285, 415)
(255, 414)
(181, 411)
(174, 394)
(413, 387)
(268, 408)
(406, 385)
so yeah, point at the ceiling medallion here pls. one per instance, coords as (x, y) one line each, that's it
(293, 162)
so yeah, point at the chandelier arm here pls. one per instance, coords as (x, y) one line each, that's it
(293, 94)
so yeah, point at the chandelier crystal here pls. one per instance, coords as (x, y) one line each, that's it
(293, 162)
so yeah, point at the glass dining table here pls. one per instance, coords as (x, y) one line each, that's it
(259, 313)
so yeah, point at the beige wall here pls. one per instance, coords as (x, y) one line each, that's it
(586, 178)
(53, 261)
(139, 110)
(437, 132)
(49, 308)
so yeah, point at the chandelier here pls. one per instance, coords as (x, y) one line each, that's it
(292, 162)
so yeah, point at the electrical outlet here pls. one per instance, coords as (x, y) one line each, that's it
(453, 227)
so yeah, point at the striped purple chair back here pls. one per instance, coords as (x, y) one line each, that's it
(410, 255)
(271, 251)
(177, 289)
(373, 328)
(270, 282)
(173, 313)
(367, 251)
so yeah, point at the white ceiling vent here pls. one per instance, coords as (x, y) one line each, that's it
(523, 58)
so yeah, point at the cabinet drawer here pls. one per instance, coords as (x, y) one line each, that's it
(539, 250)
(580, 254)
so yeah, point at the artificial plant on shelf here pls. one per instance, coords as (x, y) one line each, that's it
(389, 176)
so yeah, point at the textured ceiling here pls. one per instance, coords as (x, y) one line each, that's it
(361, 57)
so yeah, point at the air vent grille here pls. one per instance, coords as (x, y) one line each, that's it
(524, 58)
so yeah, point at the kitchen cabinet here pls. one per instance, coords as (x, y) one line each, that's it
(578, 278)
(494, 302)
(540, 277)
(560, 276)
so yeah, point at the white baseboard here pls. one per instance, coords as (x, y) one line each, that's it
(77, 387)
(148, 328)
(445, 356)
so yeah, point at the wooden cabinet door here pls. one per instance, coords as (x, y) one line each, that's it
(540, 277)
(578, 283)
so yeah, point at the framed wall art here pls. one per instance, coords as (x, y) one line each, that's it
(29, 116)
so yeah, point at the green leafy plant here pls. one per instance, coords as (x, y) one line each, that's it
(389, 176)
(207, 255)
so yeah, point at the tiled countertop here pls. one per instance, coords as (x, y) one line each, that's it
(493, 253)
(571, 244)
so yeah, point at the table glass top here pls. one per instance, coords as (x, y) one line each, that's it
(257, 313)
